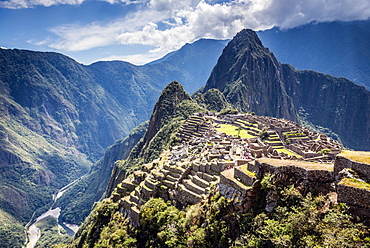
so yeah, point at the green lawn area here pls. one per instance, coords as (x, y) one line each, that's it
(359, 156)
(232, 130)
(352, 182)
(289, 152)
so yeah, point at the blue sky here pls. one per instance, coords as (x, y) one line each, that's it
(139, 31)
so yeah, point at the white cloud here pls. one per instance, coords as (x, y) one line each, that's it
(168, 24)
(136, 59)
(21, 4)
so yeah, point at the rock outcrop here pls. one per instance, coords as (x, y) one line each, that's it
(248, 75)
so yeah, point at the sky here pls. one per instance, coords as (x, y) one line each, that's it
(140, 31)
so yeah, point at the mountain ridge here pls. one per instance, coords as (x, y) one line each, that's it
(335, 48)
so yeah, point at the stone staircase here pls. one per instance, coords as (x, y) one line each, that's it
(194, 126)
(274, 140)
(251, 128)
(196, 185)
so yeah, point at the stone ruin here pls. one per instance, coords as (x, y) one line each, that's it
(185, 174)
(283, 134)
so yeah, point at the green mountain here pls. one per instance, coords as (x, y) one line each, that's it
(336, 48)
(78, 200)
(172, 108)
(251, 78)
(58, 116)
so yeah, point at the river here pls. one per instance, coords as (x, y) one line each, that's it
(34, 233)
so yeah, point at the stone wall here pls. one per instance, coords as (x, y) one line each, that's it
(361, 168)
(354, 196)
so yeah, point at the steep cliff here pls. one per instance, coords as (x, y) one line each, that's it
(335, 103)
(249, 77)
(252, 79)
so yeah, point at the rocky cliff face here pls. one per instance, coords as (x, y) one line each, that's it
(252, 79)
(335, 103)
(249, 77)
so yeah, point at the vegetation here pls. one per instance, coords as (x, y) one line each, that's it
(58, 116)
(324, 151)
(359, 156)
(51, 233)
(77, 201)
(356, 183)
(234, 130)
(11, 231)
(212, 100)
(296, 221)
(264, 134)
(228, 111)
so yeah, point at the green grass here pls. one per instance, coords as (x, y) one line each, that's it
(289, 152)
(273, 141)
(232, 130)
(352, 182)
(359, 156)
(244, 168)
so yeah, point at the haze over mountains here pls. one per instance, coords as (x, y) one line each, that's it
(340, 49)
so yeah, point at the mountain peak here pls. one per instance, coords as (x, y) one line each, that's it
(172, 95)
(248, 75)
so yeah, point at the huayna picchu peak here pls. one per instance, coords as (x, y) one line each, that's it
(248, 75)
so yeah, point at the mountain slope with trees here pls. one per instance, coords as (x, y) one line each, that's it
(58, 116)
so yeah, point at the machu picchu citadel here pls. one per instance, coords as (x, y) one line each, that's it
(231, 153)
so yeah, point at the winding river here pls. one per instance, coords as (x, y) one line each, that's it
(33, 233)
